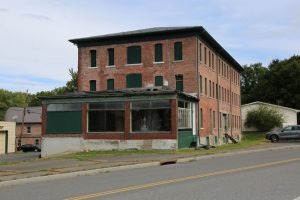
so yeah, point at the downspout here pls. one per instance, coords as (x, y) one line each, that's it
(198, 93)
(217, 94)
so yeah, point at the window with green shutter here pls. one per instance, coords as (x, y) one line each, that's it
(200, 84)
(92, 85)
(93, 54)
(134, 80)
(110, 84)
(179, 82)
(158, 53)
(111, 57)
(159, 81)
(134, 55)
(178, 51)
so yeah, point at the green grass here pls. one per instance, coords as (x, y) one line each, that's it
(249, 139)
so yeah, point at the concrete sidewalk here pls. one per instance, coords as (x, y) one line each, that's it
(52, 166)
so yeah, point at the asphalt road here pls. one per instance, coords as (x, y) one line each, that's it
(255, 176)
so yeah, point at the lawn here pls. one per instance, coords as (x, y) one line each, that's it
(250, 139)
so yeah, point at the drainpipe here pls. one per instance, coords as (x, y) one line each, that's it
(197, 106)
(218, 102)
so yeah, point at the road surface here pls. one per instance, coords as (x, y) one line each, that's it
(255, 176)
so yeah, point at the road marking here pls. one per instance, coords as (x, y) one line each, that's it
(177, 180)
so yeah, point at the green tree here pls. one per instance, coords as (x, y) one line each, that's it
(264, 118)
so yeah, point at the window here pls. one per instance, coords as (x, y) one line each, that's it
(178, 51)
(106, 117)
(213, 89)
(205, 60)
(92, 85)
(212, 61)
(210, 120)
(184, 114)
(205, 86)
(158, 53)
(209, 59)
(200, 52)
(111, 56)
(179, 82)
(200, 84)
(150, 116)
(159, 81)
(134, 55)
(214, 119)
(134, 80)
(201, 118)
(28, 129)
(93, 58)
(209, 88)
(37, 142)
(110, 84)
(217, 92)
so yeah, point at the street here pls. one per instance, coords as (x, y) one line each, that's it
(256, 176)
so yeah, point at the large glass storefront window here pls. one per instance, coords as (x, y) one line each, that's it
(106, 117)
(151, 116)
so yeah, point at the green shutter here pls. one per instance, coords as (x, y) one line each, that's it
(111, 57)
(158, 81)
(178, 51)
(134, 80)
(134, 55)
(93, 58)
(110, 84)
(92, 85)
(179, 82)
(158, 53)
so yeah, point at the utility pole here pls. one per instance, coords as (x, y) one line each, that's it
(23, 118)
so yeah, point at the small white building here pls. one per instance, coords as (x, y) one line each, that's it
(7, 137)
(290, 114)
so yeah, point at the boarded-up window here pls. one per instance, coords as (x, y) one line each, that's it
(92, 85)
(158, 53)
(110, 84)
(63, 118)
(93, 54)
(134, 55)
(151, 116)
(178, 51)
(179, 82)
(106, 117)
(134, 80)
(111, 57)
(159, 81)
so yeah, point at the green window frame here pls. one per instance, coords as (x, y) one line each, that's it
(178, 51)
(134, 55)
(205, 86)
(134, 80)
(93, 56)
(179, 82)
(200, 52)
(111, 56)
(205, 59)
(200, 84)
(110, 84)
(92, 85)
(159, 81)
(158, 53)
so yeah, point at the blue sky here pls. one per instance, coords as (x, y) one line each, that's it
(35, 53)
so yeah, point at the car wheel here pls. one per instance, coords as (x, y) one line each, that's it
(274, 138)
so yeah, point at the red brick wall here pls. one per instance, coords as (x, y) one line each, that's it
(28, 138)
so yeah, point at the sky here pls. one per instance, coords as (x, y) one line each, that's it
(35, 53)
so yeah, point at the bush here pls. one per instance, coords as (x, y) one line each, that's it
(264, 118)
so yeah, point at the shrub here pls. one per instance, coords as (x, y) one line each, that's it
(264, 118)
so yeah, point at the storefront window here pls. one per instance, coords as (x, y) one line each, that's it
(151, 116)
(106, 117)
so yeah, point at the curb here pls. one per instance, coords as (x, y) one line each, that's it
(134, 166)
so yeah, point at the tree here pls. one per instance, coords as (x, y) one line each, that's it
(264, 118)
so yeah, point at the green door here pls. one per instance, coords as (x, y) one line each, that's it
(186, 139)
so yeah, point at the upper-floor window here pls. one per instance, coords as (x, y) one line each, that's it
(134, 55)
(212, 61)
(159, 80)
(209, 59)
(200, 52)
(111, 56)
(205, 59)
(92, 85)
(28, 129)
(200, 84)
(110, 84)
(158, 53)
(134, 80)
(179, 82)
(93, 54)
(178, 51)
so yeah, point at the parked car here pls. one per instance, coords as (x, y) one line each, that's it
(286, 133)
(28, 147)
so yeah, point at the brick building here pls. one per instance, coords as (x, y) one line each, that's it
(32, 129)
(185, 59)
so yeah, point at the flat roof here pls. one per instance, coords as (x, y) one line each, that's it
(158, 31)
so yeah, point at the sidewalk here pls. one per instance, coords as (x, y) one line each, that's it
(44, 167)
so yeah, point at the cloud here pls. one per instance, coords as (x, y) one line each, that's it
(37, 17)
(3, 10)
